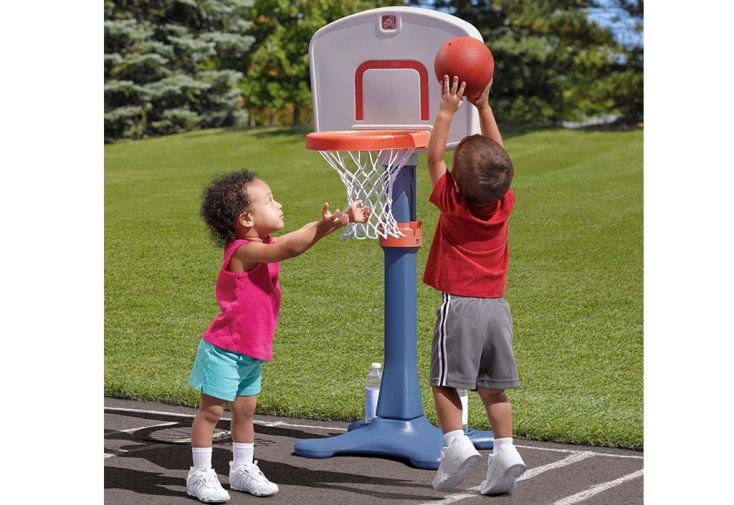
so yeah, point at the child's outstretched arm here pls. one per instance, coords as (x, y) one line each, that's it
(486, 116)
(297, 242)
(451, 99)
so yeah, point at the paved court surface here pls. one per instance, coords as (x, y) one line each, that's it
(147, 457)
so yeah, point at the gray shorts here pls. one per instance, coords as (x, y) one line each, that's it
(472, 344)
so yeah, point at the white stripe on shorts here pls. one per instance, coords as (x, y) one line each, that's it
(442, 364)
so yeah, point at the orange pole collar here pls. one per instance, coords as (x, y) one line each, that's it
(412, 236)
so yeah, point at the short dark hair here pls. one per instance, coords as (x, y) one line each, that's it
(223, 201)
(482, 169)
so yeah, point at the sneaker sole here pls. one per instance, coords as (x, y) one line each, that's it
(507, 482)
(253, 493)
(456, 479)
(206, 501)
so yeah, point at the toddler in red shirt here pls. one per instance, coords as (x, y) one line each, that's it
(472, 340)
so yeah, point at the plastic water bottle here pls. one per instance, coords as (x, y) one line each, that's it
(464, 397)
(372, 392)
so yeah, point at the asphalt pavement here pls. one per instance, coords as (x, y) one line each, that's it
(148, 454)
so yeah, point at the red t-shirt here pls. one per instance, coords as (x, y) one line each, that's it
(469, 254)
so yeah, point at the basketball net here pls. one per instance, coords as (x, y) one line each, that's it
(369, 175)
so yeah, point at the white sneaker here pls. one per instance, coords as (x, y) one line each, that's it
(504, 469)
(250, 479)
(456, 460)
(204, 485)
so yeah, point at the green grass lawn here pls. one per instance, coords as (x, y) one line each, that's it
(575, 280)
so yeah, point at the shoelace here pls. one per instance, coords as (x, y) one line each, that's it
(254, 469)
(210, 480)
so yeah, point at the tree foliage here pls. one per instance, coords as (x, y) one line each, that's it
(277, 76)
(554, 63)
(172, 65)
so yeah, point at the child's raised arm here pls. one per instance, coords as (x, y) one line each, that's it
(486, 116)
(451, 99)
(297, 242)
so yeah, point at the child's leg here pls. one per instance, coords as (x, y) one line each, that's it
(505, 463)
(243, 410)
(202, 481)
(459, 455)
(499, 411)
(243, 430)
(202, 429)
(448, 408)
(450, 368)
(244, 474)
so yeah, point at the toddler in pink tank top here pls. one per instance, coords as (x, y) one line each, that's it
(242, 214)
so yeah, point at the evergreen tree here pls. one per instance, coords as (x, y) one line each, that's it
(172, 65)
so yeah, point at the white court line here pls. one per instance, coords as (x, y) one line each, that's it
(261, 423)
(533, 472)
(133, 430)
(573, 458)
(335, 428)
(120, 452)
(130, 431)
(191, 416)
(598, 488)
(568, 451)
(452, 498)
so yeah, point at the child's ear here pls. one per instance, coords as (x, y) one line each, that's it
(246, 220)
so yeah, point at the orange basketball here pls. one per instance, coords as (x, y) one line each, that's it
(468, 58)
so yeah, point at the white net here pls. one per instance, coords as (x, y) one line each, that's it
(369, 176)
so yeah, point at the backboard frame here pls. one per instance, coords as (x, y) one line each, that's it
(374, 71)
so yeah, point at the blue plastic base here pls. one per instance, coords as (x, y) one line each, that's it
(416, 440)
(481, 439)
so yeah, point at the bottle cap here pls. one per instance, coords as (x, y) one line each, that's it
(376, 365)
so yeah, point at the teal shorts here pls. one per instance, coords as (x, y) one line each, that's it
(225, 374)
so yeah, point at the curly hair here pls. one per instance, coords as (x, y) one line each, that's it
(482, 169)
(223, 201)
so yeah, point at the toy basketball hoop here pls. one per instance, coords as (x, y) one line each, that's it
(368, 162)
(374, 104)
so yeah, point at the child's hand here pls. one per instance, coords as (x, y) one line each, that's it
(451, 95)
(332, 221)
(482, 100)
(358, 213)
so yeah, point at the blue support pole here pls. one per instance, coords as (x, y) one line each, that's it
(401, 428)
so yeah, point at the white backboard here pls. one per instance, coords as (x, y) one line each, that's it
(374, 70)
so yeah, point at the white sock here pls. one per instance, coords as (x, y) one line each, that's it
(452, 436)
(202, 457)
(501, 442)
(242, 453)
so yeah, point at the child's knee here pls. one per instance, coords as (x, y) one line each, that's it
(244, 406)
(210, 411)
(493, 395)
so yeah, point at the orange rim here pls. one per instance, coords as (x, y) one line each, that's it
(367, 140)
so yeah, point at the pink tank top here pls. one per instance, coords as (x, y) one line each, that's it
(249, 303)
